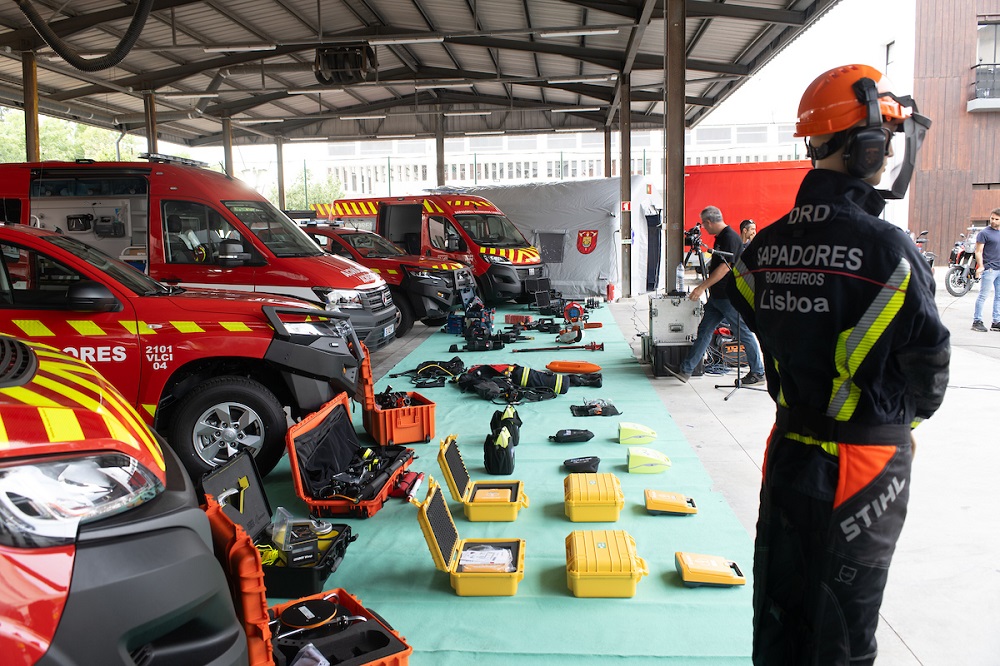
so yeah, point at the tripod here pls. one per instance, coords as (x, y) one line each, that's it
(739, 349)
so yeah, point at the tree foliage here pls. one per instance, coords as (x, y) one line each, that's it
(319, 189)
(64, 140)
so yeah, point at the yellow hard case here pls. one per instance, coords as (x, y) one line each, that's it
(663, 501)
(446, 549)
(483, 501)
(709, 570)
(603, 563)
(593, 498)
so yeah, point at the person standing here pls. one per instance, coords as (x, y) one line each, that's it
(855, 357)
(988, 268)
(726, 248)
(748, 229)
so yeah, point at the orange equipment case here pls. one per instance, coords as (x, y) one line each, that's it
(318, 430)
(397, 425)
(372, 642)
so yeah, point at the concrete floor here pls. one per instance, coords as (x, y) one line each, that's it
(942, 603)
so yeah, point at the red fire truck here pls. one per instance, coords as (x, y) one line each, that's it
(192, 227)
(423, 288)
(213, 371)
(105, 556)
(463, 228)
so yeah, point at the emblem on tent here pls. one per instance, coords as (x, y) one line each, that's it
(586, 241)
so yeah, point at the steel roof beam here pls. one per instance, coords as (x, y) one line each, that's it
(703, 9)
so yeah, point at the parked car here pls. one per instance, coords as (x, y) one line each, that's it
(105, 556)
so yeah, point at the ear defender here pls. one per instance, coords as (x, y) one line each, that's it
(866, 147)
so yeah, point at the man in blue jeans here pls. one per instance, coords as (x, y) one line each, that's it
(988, 266)
(728, 246)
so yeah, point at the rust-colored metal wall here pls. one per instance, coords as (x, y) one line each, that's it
(962, 148)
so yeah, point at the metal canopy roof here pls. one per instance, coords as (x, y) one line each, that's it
(518, 65)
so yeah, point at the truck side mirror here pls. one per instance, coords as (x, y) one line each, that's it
(231, 253)
(91, 296)
(454, 244)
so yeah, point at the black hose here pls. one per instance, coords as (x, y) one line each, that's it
(63, 50)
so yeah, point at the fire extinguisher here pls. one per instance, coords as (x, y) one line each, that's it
(611, 292)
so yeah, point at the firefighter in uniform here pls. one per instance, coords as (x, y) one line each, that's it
(855, 356)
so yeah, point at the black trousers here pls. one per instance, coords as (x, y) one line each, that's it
(827, 529)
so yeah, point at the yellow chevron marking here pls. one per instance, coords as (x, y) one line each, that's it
(234, 326)
(86, 327)
(28, 397)
(151, 409)
(375, 270)
(392, 271)
(137, 327)
(119, 431)
(187, 327)
(61, 424)
(4, 440)
(33, 328)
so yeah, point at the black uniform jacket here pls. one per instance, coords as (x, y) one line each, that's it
(843, 306)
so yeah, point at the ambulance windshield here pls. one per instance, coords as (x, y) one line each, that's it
(491, 230)
(281, 236)
(129, 277)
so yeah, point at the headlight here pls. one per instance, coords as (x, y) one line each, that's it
(43, 502)
(339, 298)
(495, 259)
(422, 274)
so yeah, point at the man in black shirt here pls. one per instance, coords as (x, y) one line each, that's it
(727, 248)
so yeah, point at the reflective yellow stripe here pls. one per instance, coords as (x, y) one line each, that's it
(57, 368)
(4, 440)
(830, 447)
(28, 397)
(524, 376)
(33, 328)
(854, 344)
(86, 327)
(61, 424)
(119, 431)
(150, 408)
(744, 282)
(559, 381)
(234, 326)
(69, 392)
(137, 327)
(392, 272)
(187, 327)
(374, 270)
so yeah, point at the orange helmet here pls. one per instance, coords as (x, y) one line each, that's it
(830, 104)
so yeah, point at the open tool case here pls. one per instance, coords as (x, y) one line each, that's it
(603, 563)
(483, 501)
(593, 498)
(407, 424)
(473, 571)
(237, 488)
(353, 636)
(335, 475)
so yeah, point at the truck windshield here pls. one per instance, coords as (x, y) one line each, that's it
(130, 278)
(371, 245)
(491, 230)
(281, 236)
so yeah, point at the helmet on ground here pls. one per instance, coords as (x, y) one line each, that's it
(836, 101)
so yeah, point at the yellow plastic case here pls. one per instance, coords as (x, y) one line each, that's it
(593, 498)
(670, 503)
(481, 580)
(708, 570)
(483, 501)
(603, 563)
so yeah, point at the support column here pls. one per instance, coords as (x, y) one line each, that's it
(29, 75)
(439, 149)
(673, 138)
(607, 151)
(625, 173)
(149, 108)
(279, 146)
(227, 144)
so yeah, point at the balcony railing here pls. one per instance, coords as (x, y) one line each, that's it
(987, 81)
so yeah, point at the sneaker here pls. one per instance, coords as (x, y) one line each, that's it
(678, 373)
(995, 326)
(978, 326)
(751, 378)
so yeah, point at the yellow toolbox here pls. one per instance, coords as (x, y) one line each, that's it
(709, 570)
(603, 563)
(477, 568)
(593, 498)
(482, 500)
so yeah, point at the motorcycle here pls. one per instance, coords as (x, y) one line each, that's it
(921, 242)
(961, 273)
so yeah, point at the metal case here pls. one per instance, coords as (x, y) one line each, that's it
(674, 319)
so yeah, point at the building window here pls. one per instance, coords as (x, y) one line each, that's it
(890, 56)
(987, 44)
(708, 136)
(751, 134)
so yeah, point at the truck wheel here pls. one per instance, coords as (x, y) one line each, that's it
(404, 313)
(222, 416)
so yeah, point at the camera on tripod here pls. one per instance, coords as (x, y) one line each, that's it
(692, 236)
